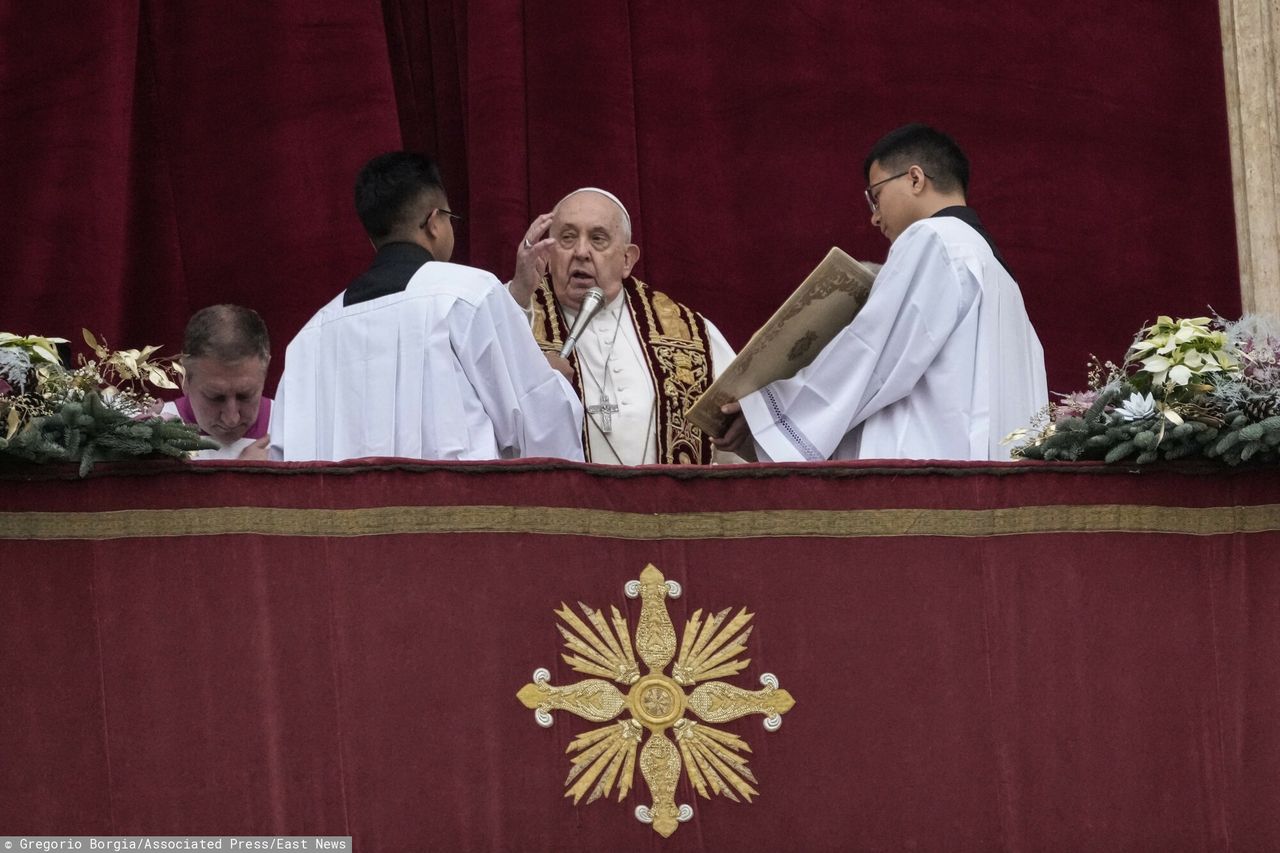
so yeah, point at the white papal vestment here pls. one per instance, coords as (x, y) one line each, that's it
(941, 363)
(445, 369)
(614, 369)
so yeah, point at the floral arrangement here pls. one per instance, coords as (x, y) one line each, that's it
(1198, 387)
(100, 410)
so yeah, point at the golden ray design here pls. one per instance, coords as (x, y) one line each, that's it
(606, 757)
(712, 758)
(602, 652)
(606, 754)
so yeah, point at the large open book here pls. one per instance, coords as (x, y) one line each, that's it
(822, 305)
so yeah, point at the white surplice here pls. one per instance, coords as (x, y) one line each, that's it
(632, 439)
(444, 369)
(941, 363)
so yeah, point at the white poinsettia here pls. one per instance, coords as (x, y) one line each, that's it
(40, 349)
(1178, 352)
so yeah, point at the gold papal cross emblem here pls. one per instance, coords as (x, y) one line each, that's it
(657, 702)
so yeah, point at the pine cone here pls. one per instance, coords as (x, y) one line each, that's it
(1260, 408)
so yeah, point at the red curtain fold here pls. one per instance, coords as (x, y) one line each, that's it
(161, 157)
(427, 50)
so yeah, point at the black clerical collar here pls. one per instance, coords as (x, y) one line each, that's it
(969, 217)
(390, 272)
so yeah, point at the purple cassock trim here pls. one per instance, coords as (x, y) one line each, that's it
(259, 427)
(257, 430)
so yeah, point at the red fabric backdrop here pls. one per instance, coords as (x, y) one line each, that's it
(1016, 657)
(158, 157)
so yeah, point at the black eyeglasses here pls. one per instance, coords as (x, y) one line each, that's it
(873, 201)
(449, 213)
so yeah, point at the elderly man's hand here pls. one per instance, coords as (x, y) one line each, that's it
(737, 435)
(256, 452)
(533, 258)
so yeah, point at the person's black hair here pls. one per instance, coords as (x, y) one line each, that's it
(923, 146)
(389, 189)
(226, 333)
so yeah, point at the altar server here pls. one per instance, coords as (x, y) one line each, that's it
(419, 357)
(942, 362)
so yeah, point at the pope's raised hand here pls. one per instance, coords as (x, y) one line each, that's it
(533, 258)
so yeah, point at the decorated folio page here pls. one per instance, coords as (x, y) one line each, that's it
(824, 303)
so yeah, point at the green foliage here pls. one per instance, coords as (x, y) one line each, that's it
(100, 410)
(1104, 434)
(90, 430)
(1191, 388)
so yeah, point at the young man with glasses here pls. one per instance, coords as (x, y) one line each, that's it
(941, 363)
(419, 357)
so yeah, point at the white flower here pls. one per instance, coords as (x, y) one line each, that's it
(1179, 351)
(1136, 408)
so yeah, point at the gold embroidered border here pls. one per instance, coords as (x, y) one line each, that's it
(608, 524)
(677, 359)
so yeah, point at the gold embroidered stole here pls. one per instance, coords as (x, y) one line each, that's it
(673, 339)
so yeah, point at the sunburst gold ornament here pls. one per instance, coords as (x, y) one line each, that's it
(656, 702)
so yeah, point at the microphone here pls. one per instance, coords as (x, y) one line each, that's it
(592, 302)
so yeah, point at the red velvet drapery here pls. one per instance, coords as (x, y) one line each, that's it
(158, 157)
(1009, 657)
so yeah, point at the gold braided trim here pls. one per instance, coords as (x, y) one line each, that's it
(607, 524)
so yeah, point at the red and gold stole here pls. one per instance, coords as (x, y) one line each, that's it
(677, 355)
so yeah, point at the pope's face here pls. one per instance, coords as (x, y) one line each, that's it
(590, 250)
(225, 396)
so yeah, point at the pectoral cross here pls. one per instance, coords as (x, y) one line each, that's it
(606, 410)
